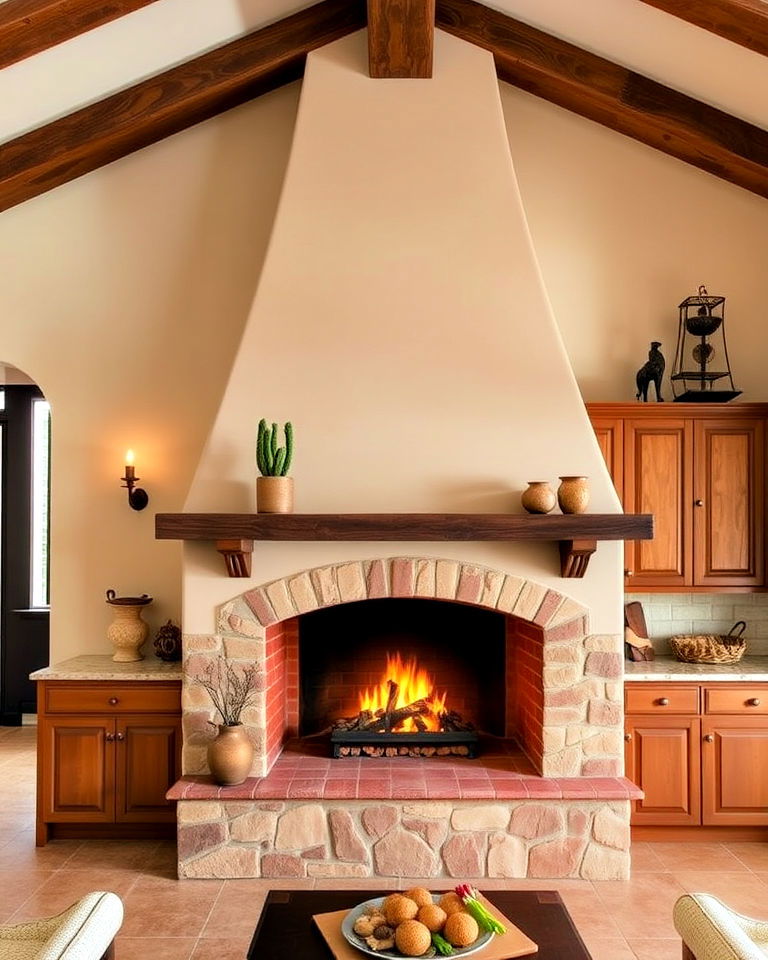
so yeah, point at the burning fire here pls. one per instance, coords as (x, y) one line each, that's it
(413, 683)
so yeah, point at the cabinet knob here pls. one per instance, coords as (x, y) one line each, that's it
(113, 701)
(109, 737)
(627, 737)
(709, 738)
(629, 573)
(120, 737)
(753, 702)
(699, 503)
(663, 701)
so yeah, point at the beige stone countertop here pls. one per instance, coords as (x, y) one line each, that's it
(667, 668)
(103, 667)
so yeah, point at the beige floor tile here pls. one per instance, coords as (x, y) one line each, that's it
(142, 948)
(589, 914)
(167, 914)
(113, 853)
(17, 886)
(692, 856)
(22, 852)
(223, 949)
(642, 906)
(657, 949)
(609, 949)
(235, 913)
(645, 859)
(66, 887)
(753, 855)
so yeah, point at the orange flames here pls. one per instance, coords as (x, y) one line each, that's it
(414, 684)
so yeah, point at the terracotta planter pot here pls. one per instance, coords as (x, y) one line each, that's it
(128, 631)
(539, 497)
(573, 494)
(274, 494)
(230, 755)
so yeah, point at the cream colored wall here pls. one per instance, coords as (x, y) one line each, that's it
(623, 234)
(123, 295)
(400, 323)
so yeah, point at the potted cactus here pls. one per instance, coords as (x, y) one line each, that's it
(274, 488)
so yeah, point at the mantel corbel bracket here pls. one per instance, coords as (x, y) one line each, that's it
(575, 556)
(237, 556)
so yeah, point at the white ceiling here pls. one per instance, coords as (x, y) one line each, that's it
(168, 32)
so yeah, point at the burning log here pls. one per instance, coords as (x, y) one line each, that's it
(389, 721)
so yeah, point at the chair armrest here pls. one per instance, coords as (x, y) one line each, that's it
(714, 932)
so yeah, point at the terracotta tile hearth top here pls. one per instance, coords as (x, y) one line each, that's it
(503, 776)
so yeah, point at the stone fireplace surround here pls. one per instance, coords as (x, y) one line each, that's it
(560, 809)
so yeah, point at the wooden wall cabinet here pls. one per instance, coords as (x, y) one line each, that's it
(700, 753)
(107, 754)
(700, 470)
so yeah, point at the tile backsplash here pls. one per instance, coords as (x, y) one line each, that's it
(668, 614)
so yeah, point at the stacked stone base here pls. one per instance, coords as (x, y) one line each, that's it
(404, 839)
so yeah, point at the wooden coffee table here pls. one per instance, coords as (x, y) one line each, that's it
(286, 929)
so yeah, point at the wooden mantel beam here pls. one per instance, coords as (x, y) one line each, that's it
(742, 21)
(31, 26)
(401, 38)
(169, 102)
(614, 96)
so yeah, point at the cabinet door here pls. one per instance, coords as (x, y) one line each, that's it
(728, 502)
(148, 763)
(77, 765)
(662, 757)
(610, 435)
(658, 456)
(734, 765)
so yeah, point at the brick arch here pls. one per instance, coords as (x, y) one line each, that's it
(252, 612)
(575, 710)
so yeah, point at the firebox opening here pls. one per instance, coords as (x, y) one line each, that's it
(349, 650)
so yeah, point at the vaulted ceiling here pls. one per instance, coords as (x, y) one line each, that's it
(680, 86)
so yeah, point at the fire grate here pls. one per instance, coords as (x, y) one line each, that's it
(363, 743)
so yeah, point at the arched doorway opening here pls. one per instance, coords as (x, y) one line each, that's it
(25, 438)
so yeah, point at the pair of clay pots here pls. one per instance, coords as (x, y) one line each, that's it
(572, 495)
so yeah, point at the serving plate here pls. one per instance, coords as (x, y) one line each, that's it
(348, 923)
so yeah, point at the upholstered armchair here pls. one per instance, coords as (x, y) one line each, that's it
(85, 931)
(712, 931)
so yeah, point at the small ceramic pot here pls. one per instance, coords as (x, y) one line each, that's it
(539, 497)
(573, 494)
(230, 756)
(128, 631)
(274, 494)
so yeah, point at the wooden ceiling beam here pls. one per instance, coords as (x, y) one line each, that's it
(401, 38)
(614, 96)
(742, 21)
(239, 71)
(163, 105)
(31, 26)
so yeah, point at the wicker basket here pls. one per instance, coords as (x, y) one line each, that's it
(711, 648)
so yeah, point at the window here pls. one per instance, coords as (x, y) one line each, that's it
(40, 497)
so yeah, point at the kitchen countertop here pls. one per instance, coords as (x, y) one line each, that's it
(667, 668)
(103, 667)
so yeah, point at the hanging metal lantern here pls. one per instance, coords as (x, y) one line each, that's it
(701, 357)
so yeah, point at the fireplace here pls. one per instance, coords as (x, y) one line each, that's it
(400, 322)
(402, 677)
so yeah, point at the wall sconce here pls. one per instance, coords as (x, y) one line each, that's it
(137, 498)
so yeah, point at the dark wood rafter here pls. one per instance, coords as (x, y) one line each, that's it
(614, 96)
(234, 533)
(401, 38)
(172, 101)
(31, 26)
(239, 71)
(742, 21)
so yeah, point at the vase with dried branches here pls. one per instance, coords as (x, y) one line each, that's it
(231, 690)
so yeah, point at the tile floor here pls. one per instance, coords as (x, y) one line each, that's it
(213, 920)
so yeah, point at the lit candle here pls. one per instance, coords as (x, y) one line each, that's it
(130, 470)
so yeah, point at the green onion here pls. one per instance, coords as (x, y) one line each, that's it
(441, 945)
(485, 920)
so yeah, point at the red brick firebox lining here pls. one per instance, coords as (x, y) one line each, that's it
(299, 775)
